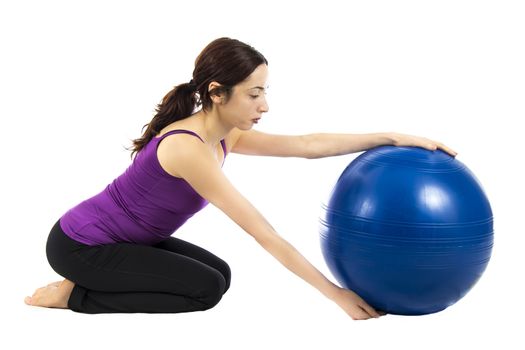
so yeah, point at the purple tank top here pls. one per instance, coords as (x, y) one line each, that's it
(144, 205)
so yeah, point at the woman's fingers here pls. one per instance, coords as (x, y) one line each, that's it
(370, 310)
(447, 149)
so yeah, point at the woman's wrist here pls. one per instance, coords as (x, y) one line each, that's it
(390, 138)
(334, 293)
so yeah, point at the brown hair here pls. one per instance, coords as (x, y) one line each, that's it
(225, 61)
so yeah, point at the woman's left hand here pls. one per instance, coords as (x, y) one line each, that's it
(417, 141)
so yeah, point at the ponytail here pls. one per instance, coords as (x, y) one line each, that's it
(178, 104)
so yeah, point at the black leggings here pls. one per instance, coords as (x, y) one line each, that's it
(172, 276)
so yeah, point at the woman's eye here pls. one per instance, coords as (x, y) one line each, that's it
(254, 96)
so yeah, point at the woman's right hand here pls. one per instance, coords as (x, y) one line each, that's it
(354, 305)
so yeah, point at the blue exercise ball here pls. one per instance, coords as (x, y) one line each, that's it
(409, 230)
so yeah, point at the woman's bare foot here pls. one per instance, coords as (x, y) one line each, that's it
(56, 284)
(54, 295)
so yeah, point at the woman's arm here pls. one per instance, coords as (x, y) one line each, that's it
(326, 145)
(194, 162)
(323, 144)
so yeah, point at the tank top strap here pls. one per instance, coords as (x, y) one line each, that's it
(181, 131)
(223, 144)
(184, 131)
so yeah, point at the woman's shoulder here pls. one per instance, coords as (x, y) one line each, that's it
(232, 138)
(172, 152)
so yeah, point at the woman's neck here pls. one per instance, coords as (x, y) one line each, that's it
(214, 130)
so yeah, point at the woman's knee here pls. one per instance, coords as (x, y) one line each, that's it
(212, 294)
(227, 274)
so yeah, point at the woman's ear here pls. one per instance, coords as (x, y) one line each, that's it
(216, 97)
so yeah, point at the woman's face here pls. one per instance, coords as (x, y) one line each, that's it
(248, 100)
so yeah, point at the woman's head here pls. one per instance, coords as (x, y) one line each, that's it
(245, 102)
(227, 62)
(223, 64)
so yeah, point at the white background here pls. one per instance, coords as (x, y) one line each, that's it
(78, 80)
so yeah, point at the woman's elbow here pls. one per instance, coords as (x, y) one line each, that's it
(266, 238)
(310, 147)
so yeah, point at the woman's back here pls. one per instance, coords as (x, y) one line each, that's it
(143, 205)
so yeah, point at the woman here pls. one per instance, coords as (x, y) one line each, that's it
(115, 251)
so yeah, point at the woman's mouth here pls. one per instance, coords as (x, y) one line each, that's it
(255, 120)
